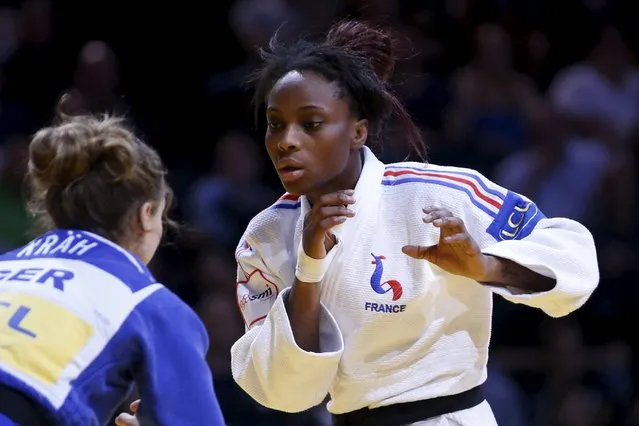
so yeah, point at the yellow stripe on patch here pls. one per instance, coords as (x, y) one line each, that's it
(38, 337)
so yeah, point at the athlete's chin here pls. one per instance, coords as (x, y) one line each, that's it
(293, 189)
(299, 187)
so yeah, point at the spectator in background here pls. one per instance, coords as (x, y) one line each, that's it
(563, 173)
(222, 202)
(537, 59)
(14, 116)
(422, 85)
(600, 96)
(580, 406)
(15, 223)
(490, 100)
(505, 397)
(600, 99)
(33, 70)
(95, 81)
(252, 22)
(8, 34)
(580, 387)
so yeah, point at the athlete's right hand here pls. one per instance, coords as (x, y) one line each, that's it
(331, 210)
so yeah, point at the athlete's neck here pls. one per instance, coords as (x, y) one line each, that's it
(347, 180)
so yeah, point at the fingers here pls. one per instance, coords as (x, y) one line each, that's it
(338, 198)
(420, 252)
(443, 218)
(462, 241)
(453, 230)
(336, 211)
(332, 209)
(330, 222)
(435, 214)
(125, 419)
(332, 215)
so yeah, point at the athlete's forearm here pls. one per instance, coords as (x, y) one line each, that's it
(303, 308)
(506, 273)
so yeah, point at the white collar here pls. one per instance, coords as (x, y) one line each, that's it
(367, 190)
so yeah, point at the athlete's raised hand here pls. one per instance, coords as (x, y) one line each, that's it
(456, 252)
(126, 419)
(331, 210)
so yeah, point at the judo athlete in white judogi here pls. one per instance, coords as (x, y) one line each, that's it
(373, 283)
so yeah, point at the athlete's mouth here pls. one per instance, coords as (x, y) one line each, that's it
(289, 169)
(290, 173)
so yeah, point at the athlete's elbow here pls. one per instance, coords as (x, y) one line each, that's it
(562, 309)
(577, 283)
(559, 310)
(274, 391)
(291, 403)
(568, 304)
(288, 399)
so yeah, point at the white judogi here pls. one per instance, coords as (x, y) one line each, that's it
(395, 329)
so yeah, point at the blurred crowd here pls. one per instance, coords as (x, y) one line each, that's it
(541, 96)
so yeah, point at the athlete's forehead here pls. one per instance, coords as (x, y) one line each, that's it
(303, 90)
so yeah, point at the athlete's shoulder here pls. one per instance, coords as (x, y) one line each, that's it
(276, 220)
(449, 181)
(287, 202)
(409, 169)
(74, 248)
(163, 300)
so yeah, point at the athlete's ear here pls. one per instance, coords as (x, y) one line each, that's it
(360, 134)
(145, 217)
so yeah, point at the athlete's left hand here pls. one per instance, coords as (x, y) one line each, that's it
(456, 252)
(126, 419)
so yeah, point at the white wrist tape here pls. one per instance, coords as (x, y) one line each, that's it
(310, 270)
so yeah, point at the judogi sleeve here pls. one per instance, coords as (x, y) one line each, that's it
(266, 361)
(175, 382)
(558, 248)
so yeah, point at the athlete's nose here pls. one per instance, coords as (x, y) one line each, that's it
(290, 140)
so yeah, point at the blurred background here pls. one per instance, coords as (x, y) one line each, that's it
(542, 96)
